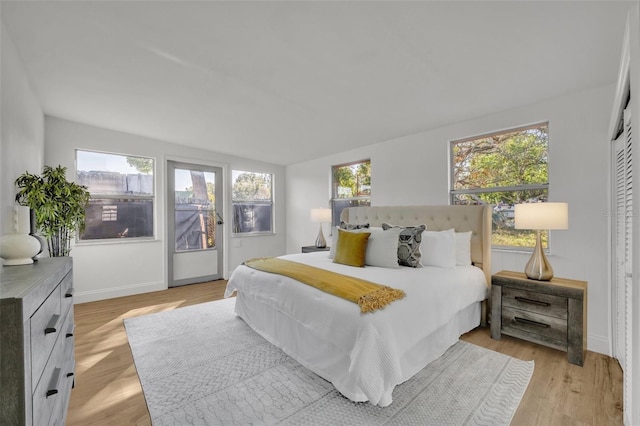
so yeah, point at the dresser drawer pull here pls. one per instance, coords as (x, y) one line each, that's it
(69, 293)
(530, 322)
(532, 301)
(51, 327)
(70, 374)
(69, 335)
(54, 383)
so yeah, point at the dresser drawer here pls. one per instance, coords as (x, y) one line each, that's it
(48, 392)
(551, 331)
(45, 327)
(540, 303)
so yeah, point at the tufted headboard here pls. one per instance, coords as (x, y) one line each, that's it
(437, 218)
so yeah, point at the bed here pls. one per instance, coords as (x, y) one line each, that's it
(366, 355)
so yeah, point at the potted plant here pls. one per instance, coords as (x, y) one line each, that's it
(59, 206)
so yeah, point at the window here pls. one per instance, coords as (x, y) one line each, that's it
(503, 169)
(351, 187)
(122, 195)
(252, 200)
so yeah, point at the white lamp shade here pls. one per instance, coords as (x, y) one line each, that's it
(542, 216)
(321, 215)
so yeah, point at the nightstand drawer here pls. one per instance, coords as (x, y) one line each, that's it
(543, 329)
(545, 304)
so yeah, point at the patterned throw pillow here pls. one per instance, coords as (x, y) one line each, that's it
(409, 244)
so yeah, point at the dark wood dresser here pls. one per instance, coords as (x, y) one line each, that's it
(37, 360)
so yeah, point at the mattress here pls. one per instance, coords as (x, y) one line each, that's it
(363, 355)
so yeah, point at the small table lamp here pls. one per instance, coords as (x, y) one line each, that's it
(320, 216)
(540, 216)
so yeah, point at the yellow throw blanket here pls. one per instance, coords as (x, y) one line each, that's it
(369, 296)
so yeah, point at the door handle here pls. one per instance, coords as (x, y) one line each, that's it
(220, 221)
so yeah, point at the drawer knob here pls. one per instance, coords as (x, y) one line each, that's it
(70, 374)
(69, 335)
(69, 293)
(530, 322)
(531, 301)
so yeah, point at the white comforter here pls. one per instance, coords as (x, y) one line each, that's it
(373, 344)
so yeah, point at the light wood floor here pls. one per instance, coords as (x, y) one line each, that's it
(108, 391)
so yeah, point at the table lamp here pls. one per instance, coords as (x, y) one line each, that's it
(321, 216)
(541, 216)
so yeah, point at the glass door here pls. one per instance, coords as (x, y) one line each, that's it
(194, 223)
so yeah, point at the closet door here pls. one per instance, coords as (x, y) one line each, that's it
(622, 293)
(618, 243)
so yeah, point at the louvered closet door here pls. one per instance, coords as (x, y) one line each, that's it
(623, 255)
(619, 186)
(623, 243)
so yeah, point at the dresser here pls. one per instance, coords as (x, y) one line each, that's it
(551, 313)
(37, 361)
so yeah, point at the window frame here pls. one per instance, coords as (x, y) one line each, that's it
(121, 197)
(360, 200)
(270, 202)
(453, 193)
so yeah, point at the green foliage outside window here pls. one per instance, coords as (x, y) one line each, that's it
(503, 169)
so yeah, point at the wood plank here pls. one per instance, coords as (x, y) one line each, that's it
(108, 390)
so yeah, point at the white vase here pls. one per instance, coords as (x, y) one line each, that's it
(18, 248)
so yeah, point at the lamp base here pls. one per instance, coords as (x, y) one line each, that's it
(538, 267)
(320, 241)
(18, 249)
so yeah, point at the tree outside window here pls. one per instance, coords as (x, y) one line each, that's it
(351, 187)
(503, 169)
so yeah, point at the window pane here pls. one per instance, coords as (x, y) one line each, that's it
(122, 190)
(118, 218)
(195, 227)
(512, 167)
(195, 219)
(250, 186)
(252, 202)
(352, 180)
(251, 217)
(504, 234)
(111, 174)
(507, 159)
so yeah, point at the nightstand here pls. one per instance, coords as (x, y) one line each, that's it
(312, 249)
(551, 313)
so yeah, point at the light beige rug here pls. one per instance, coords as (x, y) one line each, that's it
(202, 365)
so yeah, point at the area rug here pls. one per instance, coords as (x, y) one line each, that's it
(202, 365)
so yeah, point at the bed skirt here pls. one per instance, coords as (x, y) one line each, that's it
(332, 363)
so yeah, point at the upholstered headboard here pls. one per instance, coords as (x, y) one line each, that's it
(437, 218)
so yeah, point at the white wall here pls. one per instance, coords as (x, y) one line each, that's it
(21, 128)
(413, 170)
(112, 269)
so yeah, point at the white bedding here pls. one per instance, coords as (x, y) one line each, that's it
(364, 355)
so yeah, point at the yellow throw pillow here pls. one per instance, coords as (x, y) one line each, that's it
(352, 248)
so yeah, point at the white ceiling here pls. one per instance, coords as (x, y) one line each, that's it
(284, 82)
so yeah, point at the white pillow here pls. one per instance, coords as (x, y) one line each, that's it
(439, 248)
(463, 248)
(382, 249)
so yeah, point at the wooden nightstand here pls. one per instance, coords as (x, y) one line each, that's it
(551, 313)
(312, 249)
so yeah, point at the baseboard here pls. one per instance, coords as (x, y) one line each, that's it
(598, 344)
(113, 292)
